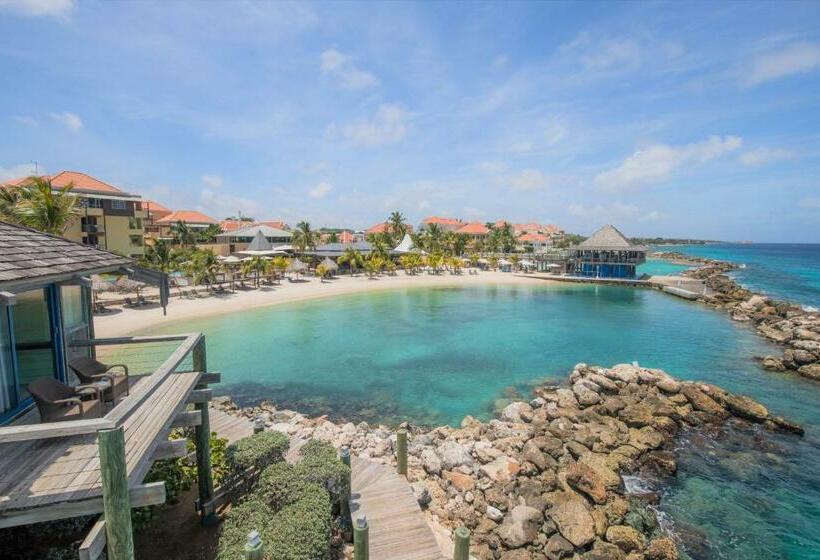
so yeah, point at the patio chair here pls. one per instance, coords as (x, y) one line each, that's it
(128, 302)
(89, 370)
(57, 401)
(141, 300)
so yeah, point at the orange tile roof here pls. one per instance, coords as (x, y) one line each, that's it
(277, 224)
(232, 225)
(530, 227)
(440, 220)
(551, 228)
(155, 209)
(533, 238)
(187, 216)
(384, 226)
(474, 228)
(83, 183)
(500, 223)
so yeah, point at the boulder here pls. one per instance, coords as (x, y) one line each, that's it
(520, 526)
(702, 402)
(585, 395)
(453, 455)
(773, 363)
(774, 334)
(623, 372)
(812, 346)
(600, 463)
(430, 461)
(421, 493)
(812, 371)
(746, 408)
(754, 303)
(603, 551)
(571, 515)
(636, 415)
(501, 470)
(534, 455)
(461, 482)
(517, 412)
(661, 549)
(625, 537)
(558, 547)
(587, 481)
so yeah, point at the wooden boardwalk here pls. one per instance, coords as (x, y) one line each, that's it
(229, 426)
(398, 529)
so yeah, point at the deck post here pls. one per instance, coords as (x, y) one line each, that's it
(361, 539)
(344, 504)
(461, 536)
(401, 451)
(202, 436)
(116, 499)
(254, 549)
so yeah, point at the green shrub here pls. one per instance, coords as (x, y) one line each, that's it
(321, 464)
(258, 450)
(252, 514)
(280, 485)
(301, 530)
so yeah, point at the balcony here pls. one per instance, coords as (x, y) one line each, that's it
(93, 228)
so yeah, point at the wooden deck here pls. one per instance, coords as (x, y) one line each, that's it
(229, 426)
(398, 529)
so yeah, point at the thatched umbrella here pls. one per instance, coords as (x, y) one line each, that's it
(127, 285)
(329, 264)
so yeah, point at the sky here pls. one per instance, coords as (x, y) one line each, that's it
(665, 119)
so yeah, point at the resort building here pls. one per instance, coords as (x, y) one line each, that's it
(537, 242)
(606, 254)
(110, 218)
(87, 445)
(385, 227)
(447, 224)
(474, 230)
(231, 242)
(197, 221)
(155, 211)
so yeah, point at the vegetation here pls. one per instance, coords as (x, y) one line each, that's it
(183, 234)
(208, 235)
(161, 256)
(569, 240)
(322, 272)
(37, 205)
(396, 227)
(255, 266)
(353, 258)
(202, 267)
(258, 450)
(304, 238)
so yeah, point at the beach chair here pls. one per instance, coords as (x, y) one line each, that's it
(57, 401)
(128, 302)
(141, 300)
(89, 370)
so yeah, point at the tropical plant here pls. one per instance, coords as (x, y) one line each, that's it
(304, 238)
(396, 226)
(256, 266)
(474, 260)
(202, 267)
(208, 235)
(433, 238)
(353, 258)
(373, 265)
(183, 234)
(380, 245)
(279, 265)
(389, 267)
(493, 261)
(435, 261)
(38, 205)
(506, 238)
(322, 272)
(333, 237)
(410, 262)
(455, 264)
(161, 256)
(515, 260)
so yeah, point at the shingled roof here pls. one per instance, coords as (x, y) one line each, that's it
(608, 238)
(27, 254)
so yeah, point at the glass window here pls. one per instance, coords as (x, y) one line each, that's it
(95, 203)
(73, 306)
(118, 204)
(32, 337)
(7, 396)
(134, 223)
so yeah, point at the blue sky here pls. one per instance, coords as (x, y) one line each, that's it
(674, 119)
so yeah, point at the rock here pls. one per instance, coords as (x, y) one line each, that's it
(571, 515)
(421, 493)
(585, 395)
(623, 372)
(746, 408)
(502, 469)
(811, 371)
(598, 462)
(534, 455)
(661, 549)
(754, 303)
(659, 463)
(520, 526)
(625, 537)
(517, 554)
(668, 385)
(494, 513)
(461, 482)
(517, 412)
(636, 415)
(558, 547)
(430, 461)
(773, 363)
(800, 357)
(486, 452)
(453, 455)
(584, 479)
(702, 402)
(604, 551)
(781, 423)
(774, 334)
(812, 346)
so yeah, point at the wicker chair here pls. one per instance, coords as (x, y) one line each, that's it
(57, 401)
(89, 370)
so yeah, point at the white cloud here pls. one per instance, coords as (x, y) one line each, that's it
(657, 162)
(799, 58)
(529, 180)
(213, 181)
(491, 166)
(219, 204)
(388, 126)
(50, 8)
(764, 156)
(523, 146)
(599, 53)
(555, 133)
(342, 66)
(812, 202)
(19, 171)
(320, 190)
(25, 120)
(71, 121)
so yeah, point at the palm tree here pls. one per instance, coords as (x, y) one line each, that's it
(353, 258)
(455, 264)
(373, 265)
(36, 204)
(474, 260)
(160, 256)
(506, 238)
(183, 234)
(380, 245)
(435, 261)
(256, 266)
(333, 237)
(396, 226)
(303, 237)
(202, 267)
(515, 259)
(433, 238)
(208, 235)
(279, 265)
(493, 261)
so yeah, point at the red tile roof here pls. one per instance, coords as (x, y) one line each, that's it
(500, 223)
(384, 226)
(534, 238)
(83, 183)
(187, 216)
(532, 227)
(474, 228)
(232, 225)
(277, 224)
(442, 221)
(155, 209)
(551, 228)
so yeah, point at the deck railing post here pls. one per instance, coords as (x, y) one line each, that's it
(344, 506)
(202, 436)
(361, 539)
(116, 500)
(401, 451)
(254, 548)
(462, 544)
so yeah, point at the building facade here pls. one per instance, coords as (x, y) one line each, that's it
(606, 254)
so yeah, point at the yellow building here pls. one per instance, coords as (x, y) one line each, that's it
(110, 218)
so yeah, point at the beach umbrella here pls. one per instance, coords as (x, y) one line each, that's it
(504, 262)
(527, 263)
(231, 260)
(296, 266)
(483, 261)
(126, 284)
(329, 264)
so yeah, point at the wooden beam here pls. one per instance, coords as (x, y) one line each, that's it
(187, 418)
(119, 533)
(200, 396)
(29, 432)
(130, 339)
(171, 449)
(149, 494)
(210, 378)
(93, 545)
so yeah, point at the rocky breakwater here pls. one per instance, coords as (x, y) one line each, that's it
(676, 257)
(784, 323)
(545, 479)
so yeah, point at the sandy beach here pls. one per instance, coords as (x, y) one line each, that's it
(125, 321)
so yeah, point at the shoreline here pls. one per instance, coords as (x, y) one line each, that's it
(127, 322)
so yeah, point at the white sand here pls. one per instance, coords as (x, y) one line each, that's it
(129, 321)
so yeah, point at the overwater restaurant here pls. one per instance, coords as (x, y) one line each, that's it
(606, 254)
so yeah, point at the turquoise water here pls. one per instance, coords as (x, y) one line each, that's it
(785, 271)
(432, 356)
(660, 268)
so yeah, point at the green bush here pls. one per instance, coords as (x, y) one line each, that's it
(252, 514)
(258, 450)
(301, 530)
(280, 485)
(321, 464)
